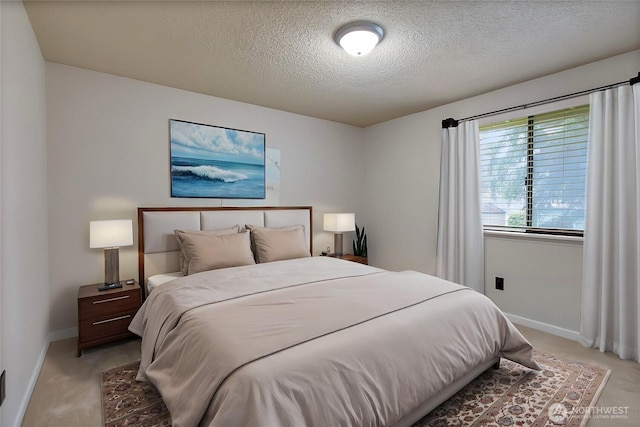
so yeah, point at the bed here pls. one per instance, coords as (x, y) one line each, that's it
(298, 340)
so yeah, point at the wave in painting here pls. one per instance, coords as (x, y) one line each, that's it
(209, 172)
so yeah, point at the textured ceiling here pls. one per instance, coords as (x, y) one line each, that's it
(282, 54)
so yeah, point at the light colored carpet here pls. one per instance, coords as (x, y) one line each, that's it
(67, 393)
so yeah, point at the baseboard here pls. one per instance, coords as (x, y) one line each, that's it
(544, 327)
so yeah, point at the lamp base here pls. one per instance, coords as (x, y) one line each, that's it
(111, 266)
(337, 245)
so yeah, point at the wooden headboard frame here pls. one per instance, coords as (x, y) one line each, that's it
(141, 229)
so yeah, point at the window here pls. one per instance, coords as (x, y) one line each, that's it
(533, 172)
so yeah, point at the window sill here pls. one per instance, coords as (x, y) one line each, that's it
(535, 238)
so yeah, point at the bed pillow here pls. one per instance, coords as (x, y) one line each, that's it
(184, 261)
(210, 251)
(275, 244)
(249, 227)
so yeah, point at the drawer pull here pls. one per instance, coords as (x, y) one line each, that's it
(111, 320)
(111, 299)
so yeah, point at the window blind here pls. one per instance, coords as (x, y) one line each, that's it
(533, 172)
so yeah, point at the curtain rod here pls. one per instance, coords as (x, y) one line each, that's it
(453, 122)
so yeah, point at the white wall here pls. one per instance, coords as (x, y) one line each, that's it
(401, 194)
(108, 153)
(24, 255)
(543, 279)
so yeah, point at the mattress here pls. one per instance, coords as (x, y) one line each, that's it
(314, 341)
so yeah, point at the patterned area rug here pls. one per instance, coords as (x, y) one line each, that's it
(127, 402)
(559, 395)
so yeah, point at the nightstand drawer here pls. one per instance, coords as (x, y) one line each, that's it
(104, 316)
(106, 326)
(103, 305)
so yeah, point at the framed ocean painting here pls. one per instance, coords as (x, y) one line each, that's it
(216, 162)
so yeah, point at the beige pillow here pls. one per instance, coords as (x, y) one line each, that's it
(184, 261)
(275, 244)
(210, 251)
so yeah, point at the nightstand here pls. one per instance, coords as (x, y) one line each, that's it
(354, 258)
(104, 316)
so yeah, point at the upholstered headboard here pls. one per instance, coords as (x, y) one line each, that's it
(158, 250)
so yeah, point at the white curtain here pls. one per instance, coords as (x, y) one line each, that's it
(611, 265)
(460, 250)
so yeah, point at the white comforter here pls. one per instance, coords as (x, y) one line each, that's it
(314, 341)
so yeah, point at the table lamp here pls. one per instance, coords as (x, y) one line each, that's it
(110, 235)
(339, 223)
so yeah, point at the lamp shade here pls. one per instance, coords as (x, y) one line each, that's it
(110, 234)
(339, 222)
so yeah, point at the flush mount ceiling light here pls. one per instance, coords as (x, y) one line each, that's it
(359, 38)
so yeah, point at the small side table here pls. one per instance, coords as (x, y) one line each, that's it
(350, 257)
(104, 316)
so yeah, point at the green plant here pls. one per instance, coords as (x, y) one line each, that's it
(360, 243)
